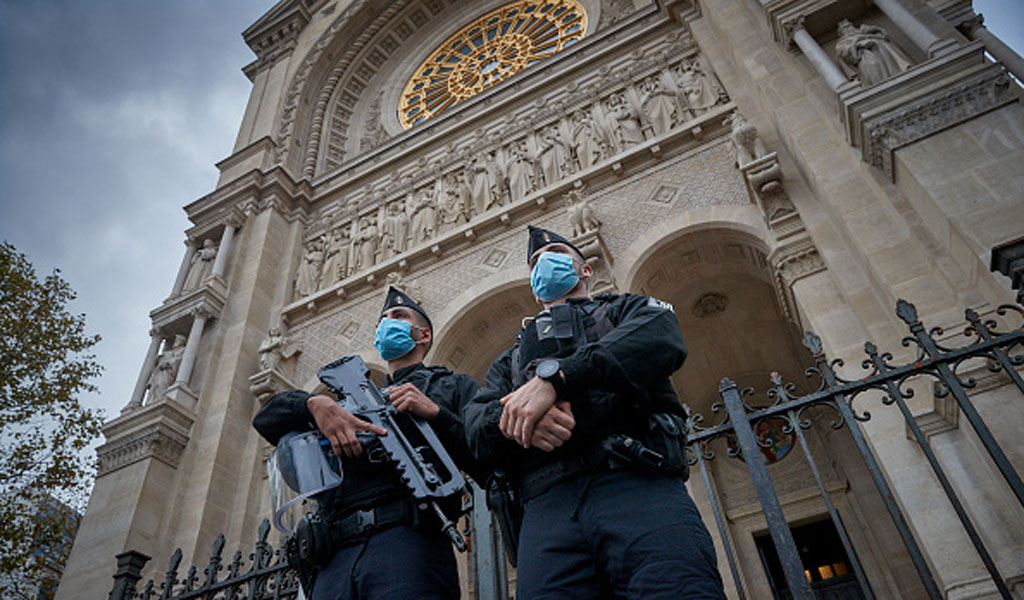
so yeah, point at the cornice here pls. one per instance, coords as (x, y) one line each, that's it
(276, 33)
(177, 312)
(933, 96)
(159, 431)
(251, 191)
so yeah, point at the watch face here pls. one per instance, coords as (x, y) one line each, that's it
(547, 369)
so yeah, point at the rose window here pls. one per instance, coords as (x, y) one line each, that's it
(488, 51)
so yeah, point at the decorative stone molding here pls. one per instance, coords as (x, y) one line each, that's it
(792, 262)
(924, 100)
(276, 34)
(176, 314)
(159, 431)
(247, 195)
(268, 382)
(709, 305)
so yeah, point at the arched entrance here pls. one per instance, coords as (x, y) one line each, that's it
(720, 282)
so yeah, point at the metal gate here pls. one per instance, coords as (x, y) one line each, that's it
(266, 575)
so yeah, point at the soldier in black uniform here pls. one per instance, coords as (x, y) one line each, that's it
(381, 545)
(582, 417)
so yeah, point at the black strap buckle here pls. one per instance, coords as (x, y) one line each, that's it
(364, 520)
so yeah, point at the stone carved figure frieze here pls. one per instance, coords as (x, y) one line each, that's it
(366, 241)
(554, 153)
(394, 229)
(335, 265)
(698, 91)
(202, 265)
(455, 208)
(165, 370)
(626, 121)
(373, 132)
(424, 206)
(867, 54)
(520, 172)
(585, 147)
(661, 100)
(561, 138)
(307, 277)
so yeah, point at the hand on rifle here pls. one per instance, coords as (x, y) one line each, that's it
(340, 426)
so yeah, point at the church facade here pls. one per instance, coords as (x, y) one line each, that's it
(767, 167)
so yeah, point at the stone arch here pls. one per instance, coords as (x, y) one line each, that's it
(481, 322)
(712, 265)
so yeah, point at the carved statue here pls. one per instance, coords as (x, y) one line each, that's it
(335, 266)
(867, 53)
(394, 228)
(367, 240)
(480, 177)
(165, 370)
(605, 129)
(697, 92)
(554, 155)
(581, 215)
(275, 348)
(455, 209)
(520, 173)
(626, 120)
(424, 213)
(661, 99)
(307, 277)
(584, 141)
(748, 144)
(202, 265)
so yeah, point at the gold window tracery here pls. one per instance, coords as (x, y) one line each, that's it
(487, 51)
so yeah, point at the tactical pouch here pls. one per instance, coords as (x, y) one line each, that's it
(313, 541)
(503, 500)
(306, 572)
(667, 436)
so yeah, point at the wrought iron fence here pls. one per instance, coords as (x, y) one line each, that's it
(267, 575)
(933, 360)
(264, 576)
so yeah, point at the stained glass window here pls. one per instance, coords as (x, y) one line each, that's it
(487, 51)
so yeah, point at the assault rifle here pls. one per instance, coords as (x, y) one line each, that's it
(411, 445)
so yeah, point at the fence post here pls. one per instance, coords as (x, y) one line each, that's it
(792, 566)
(129, 571)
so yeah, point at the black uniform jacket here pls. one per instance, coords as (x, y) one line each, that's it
(614, 383)
(366, 483)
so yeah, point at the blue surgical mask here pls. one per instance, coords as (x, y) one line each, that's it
(553, 276)
(393, 339)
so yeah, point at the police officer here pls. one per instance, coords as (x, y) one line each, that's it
(583, 418)
(402, 553)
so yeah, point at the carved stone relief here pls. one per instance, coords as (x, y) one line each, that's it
(507, 166)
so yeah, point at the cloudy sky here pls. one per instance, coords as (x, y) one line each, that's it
(112, 115)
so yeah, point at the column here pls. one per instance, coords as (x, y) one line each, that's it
(188, 359)
(814, 53)
(220, 263)
(147, 370)
(975, 29)
(918, 32)
(186, 262)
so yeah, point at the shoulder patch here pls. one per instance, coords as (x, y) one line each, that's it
(655, 303)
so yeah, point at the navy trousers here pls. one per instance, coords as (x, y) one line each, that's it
(616, 534)
(398, 563)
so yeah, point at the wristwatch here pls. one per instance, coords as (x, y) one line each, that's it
(550, 370)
